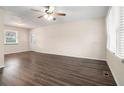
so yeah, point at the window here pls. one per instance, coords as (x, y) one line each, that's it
(10, 37)
(115, 31)
(33, 38)
(120, 34)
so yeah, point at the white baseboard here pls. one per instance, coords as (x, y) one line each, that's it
(15, 52)
(70, 55)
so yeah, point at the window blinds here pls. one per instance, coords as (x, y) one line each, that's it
(120, 34)
(115, 31)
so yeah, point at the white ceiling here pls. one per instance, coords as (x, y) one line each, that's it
(22, 16)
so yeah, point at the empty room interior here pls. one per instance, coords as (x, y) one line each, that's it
(61, 46)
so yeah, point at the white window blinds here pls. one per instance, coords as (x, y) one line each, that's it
(115, 31)
(120, 34)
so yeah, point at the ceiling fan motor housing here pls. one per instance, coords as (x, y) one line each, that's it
(48, 12)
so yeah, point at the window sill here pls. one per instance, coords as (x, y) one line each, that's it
(11, 44)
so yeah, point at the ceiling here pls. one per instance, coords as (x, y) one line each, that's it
(22, 16)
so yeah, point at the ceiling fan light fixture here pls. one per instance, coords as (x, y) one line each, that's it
(50, 17)
(46, 16)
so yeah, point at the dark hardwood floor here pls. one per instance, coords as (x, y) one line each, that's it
(32, 68)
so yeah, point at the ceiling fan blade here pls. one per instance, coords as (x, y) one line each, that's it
(51, 9)
(59, 14)
(36, 10)
(40, 16)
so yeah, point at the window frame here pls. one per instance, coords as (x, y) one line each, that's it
(10, 43)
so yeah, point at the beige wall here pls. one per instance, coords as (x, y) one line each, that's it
(117, 67)
(1, 39)
(85, 39)
(23, 41)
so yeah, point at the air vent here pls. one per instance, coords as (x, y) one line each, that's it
(105, 73)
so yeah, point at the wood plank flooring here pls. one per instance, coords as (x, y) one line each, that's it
(32, 68)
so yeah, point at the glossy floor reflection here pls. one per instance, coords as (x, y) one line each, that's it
(32, 68)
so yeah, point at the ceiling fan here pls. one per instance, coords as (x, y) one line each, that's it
(49, 13)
